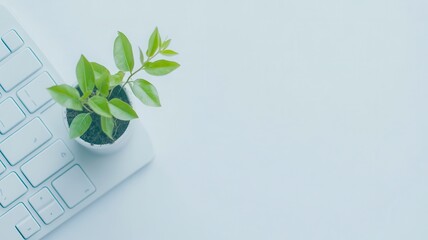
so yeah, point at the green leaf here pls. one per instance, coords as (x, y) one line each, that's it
(165, 44)
(154, 43)
(107, 125)
(168, 52)
(160, 67)
(102, 76)
(146, 92)
(85, 96)
(141, 56)
(80, 125)
(123, 55)
(66, 96)
(121, 110)
(85, 75)
(100, 106)
(116, 79)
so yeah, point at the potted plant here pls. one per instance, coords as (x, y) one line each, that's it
(98, 111)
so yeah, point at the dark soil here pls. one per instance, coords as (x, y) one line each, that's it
(95, 135)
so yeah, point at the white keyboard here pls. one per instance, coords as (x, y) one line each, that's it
(46, 178)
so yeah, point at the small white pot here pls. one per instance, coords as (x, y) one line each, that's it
(109, 148)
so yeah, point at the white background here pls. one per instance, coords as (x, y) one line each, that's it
(287, 120)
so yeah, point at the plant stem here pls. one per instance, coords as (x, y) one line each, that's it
(132, 74)
(89, 110)
(141, 68)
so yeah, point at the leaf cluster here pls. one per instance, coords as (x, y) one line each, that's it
(96, 83)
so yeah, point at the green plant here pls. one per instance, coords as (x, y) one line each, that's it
(95, 85)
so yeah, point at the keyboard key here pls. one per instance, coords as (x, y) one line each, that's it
(4, 51)
(11, 188)
(12, 40)
(2, 168)
(41, 199)
(18, 68)
(35, 94)
(10, 220)
(51, 212)
(28, 227)
(46, 206)
(47, 163)
(73, 186)
(12, 118)
(24, 141)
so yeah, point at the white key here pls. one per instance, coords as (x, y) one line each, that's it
(46, 206)
(18, 68)
(28, 227)
(24, 141)
(10, 220)
(4, 51)
(12, 118)
(12, 40)
(73, 186)
(35, 94)
(41, 199)
(47, 163)
(11, 188)
(51, 212)
(2, 168)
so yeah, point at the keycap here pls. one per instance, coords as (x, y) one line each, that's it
(35, 94)
(45, 204)
(11, 188)
(2, 168)
(13, 117)
(18, 68)
(47, 163)
(12, 40)
(28, 227)
(10, 220)
(4, 51)
(24, 141)
(73, 186)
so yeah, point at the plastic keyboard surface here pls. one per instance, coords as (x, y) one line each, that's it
(46, 178)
